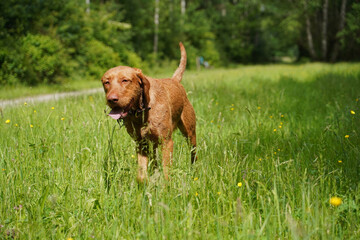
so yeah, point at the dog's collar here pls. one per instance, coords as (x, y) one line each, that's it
(138, 111)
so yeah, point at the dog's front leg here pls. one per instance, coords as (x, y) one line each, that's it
(167, 152)
(143, 160)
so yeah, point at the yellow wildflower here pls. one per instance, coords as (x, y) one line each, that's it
(31, 125)
(274, 129)
(352, 112)
(259, 108)
(281, 123)
(239, 184)
(231, 109)
(339, 161)
(335, 201)
(16, 125)
(260, 159)
(347, 136)
(34, 111)
(52, 108)
(218, 193)
(196, 194)
(282, 115)
(25, 103)
(275, 153)
(195, 179)
(270, 116)
(62, 119)
(7, 121)
(280, 126)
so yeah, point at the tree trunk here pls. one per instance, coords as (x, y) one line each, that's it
(310, 38)
(309, 34)
(324, 29)
(341, 27)
(156, 32)
(87, 6)
(183, 7)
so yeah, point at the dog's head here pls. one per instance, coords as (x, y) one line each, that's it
(126, 89)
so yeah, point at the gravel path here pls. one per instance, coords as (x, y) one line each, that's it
(46, 97)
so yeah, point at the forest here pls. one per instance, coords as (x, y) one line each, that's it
(54, 41)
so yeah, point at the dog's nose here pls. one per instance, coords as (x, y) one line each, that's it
(112, 99)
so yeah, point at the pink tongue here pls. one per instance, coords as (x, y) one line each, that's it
(116, 114)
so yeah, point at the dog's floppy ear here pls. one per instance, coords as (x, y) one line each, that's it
(145, 85)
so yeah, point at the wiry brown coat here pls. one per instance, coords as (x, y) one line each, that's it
(151, 109)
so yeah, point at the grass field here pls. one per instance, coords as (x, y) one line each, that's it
(275, 144)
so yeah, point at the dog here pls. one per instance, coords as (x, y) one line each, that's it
(151, 110)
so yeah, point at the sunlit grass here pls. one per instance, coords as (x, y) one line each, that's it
(279, 158)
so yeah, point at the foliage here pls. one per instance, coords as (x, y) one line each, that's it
(68, 171)
(222, 32)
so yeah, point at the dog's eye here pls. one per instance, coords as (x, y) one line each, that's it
(125, 80)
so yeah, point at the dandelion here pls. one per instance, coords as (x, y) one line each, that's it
(339, 161)
(280, 126)
(62, 119)
(7, 121)
(31, 125)
(282, 115)
(347, 136)
(132, 155)
(212, 121)
(25, 103)
(271, 116)
(3, 169)
(279, 149)
(274, 153)
(352, 112)
(52, 108)
(335, 201)
(216, 103)
(258, 108)
(231, 109)
(239, 184)
(195, 179)
(218, 193)
(232, 105)
(274, 129)
(34, 111)
(70, 238)
(196, 194)
(357, 99)
(281, 123)
(16, 125)
(260, 159)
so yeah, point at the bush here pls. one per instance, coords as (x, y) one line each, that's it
(44, 59)
(99, 58)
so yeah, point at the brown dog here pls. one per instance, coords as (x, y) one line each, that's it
(151, 110)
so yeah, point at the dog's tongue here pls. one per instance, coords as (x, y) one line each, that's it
(117, 113)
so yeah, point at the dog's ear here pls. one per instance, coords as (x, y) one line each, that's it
(145, 85)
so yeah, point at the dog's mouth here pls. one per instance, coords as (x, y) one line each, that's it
(119, 113)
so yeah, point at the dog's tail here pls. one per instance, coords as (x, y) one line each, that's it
(181, 69)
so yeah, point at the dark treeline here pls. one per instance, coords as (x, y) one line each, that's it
(47, 41)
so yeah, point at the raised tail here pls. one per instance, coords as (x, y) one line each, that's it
(181, 69)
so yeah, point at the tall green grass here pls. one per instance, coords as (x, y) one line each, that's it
(272, 152)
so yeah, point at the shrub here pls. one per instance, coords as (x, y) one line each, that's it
(44, 59)
(99, 58)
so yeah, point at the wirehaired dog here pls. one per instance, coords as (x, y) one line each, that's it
(151, 110)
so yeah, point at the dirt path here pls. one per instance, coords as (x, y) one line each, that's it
(46, 97)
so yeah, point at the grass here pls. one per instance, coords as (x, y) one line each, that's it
(272, 152)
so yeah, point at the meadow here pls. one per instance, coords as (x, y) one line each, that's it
(275, 144)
